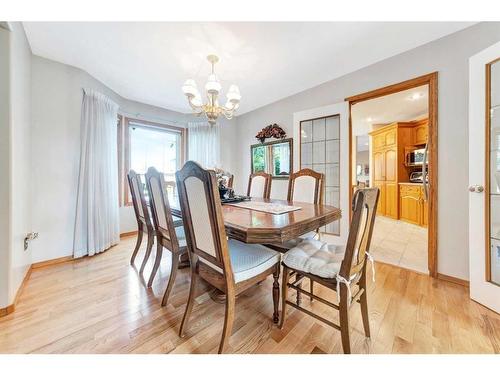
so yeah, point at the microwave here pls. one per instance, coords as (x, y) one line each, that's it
(416, 157)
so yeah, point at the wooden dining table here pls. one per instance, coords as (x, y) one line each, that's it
(258, 227)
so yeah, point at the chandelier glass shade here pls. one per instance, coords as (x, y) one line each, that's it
(212, 109)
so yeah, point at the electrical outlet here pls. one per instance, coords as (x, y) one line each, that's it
(29, 237)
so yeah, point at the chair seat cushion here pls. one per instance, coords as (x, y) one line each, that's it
(248, 260)
(309, 235)
(315, 257)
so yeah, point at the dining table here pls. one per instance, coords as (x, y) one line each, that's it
(258, 227)
(266, 228)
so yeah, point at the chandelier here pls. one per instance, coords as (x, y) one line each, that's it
(212, 110)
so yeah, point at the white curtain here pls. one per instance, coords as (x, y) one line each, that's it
(97, 212)
(204, 144)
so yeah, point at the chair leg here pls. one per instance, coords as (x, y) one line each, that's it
(299, 294)
(276, 294)
(363, 302)
(189, 305)
(149, 246)
(137, 245)
(159, 254)
(228, 320)
(344, 320)
(284, 293)
(311, 288)
(171, 279)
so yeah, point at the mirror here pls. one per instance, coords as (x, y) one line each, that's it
(274, 158)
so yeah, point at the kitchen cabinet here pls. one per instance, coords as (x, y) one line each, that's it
(381, 198)
(388, 143)
(420, 132)
(412, 207)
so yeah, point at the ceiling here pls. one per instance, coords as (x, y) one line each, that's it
(405, 105)
(149, 61)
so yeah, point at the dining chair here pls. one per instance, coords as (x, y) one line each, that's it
(230, 181)
(304, 185)
(341, 270)
(228, 265)
(142, 215)
(167, 234)
(259, 185)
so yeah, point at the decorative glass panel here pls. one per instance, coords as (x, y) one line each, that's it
(320, 151)
(493, 103)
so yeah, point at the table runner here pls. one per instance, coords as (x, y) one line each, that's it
(269, 207)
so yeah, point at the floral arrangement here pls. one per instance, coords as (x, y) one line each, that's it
(271, 131)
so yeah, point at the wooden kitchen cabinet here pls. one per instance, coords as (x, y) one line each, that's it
(420, 132)
(412, 206)
(381, 198)
(388, 157)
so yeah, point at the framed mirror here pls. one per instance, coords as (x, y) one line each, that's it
(275, 158)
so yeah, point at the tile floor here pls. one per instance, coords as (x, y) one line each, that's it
(398, 243)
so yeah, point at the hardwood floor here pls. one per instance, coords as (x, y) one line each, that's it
(100, 305)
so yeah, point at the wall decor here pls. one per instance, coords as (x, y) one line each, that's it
(271, 131)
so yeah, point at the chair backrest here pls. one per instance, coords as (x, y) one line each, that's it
(364, 208)
(160, 208)
(306, 185)
(138, 198)
(259, 185)
(230, 181)
(202, 217)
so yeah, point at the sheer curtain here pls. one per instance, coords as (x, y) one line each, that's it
(97, 212)
(204, 144)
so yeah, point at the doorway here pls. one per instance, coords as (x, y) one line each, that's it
(393, 146)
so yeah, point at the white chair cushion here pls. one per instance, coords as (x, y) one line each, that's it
(309, 235)
(248, 260)
(315, 257)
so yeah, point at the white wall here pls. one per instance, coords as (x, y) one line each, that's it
(56, 105)
(20, 110)
(4, 167)
(449, 56)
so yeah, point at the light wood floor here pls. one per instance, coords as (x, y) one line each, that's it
(100, 305)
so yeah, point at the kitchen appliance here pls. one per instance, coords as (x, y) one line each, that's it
(418, 177)
(416, 157)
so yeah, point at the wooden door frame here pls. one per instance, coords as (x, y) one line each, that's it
(431, 80)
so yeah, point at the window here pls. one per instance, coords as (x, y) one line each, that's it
(274, 158)
(150, 144)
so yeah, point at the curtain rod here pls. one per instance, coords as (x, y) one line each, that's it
(140, 116)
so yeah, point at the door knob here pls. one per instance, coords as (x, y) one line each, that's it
(476, 189)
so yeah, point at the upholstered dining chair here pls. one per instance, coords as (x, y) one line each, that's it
(259, 185)
(230, 181)
(340, 269)
(142, 215)
(306, 186)
(228, 265)
(167, 234)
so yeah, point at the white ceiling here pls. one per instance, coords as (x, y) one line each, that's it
(148, 62)
(400, 106)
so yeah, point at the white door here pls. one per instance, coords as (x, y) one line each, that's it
(484, 177)
(321, 142)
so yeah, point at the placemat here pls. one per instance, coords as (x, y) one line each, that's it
(272, 208)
